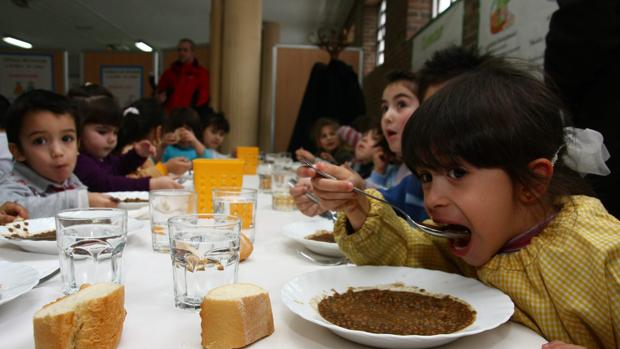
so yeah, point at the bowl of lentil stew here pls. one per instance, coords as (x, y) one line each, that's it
(303, 294)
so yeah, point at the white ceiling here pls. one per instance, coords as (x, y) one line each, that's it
(76, 25)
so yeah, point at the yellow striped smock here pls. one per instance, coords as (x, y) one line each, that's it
(565, 284)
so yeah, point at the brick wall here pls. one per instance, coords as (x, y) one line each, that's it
(404, 19)
(369, 37)
(470, 23)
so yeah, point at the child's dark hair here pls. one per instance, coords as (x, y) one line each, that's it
(447, 64)
(32, 102)
(217, 121)
(318, 126)
(497, 116)
(407, 78)
(4, 106)
(96, 105)
(183, 117)
(139, 119)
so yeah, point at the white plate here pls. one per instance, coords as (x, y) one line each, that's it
(122, 195)
(302, 293)
(49, 223)
(299, 230)
(15, 280)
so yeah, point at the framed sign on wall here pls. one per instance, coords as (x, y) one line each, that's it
(23, 72)
(125, 82)
(515, 28)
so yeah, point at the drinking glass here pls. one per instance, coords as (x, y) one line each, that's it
(264, 172)
(90, 244)
(164, 204)
(281, 199)
(205, 254)
(240, 202)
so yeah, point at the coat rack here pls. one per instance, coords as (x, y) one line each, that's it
(331, 40)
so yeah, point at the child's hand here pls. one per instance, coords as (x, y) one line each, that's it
(187, 135)
(144, 148)
(302, 153)
(561, 345)
(379, 162)
(338, 194)
(101, 200)
(328, 157)
(170, 138)
(9, 211)
(164, 182)
(302, 202)
(178, 165)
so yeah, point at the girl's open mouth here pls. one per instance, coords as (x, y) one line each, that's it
(460, 247)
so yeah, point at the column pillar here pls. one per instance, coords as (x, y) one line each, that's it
(215, 54)
(240, 80)
(271, 37)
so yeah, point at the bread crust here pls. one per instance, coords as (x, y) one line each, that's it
(97, 324)
(235, 323)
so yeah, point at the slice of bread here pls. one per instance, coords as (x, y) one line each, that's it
(235, 315)
(90, 318)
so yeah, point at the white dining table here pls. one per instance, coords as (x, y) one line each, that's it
(153, 322)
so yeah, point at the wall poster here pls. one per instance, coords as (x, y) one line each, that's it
(444, 31)
(515, 28)
(125, 82)
(23, 72)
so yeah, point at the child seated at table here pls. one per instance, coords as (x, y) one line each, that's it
(367, 152)
(330, 147)
(180, 130)
(142, 120)
(494, 158)
(96, 166)
(41, 128)
(215, 127)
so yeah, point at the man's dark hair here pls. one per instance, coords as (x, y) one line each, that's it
(218, 121)
(32, 102)
(189, 41)
(447, 64)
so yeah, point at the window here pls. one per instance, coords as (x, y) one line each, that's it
(441, 5)
(381, 33)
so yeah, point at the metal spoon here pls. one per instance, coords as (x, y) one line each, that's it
(322, 260)
(331, 215)
(446, 232)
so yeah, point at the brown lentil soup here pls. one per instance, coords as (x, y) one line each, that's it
(396, 312)
(323, 236)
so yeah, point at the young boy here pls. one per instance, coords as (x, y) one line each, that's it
(41, 128)
(215, 127)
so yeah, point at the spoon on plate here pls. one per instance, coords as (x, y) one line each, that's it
(447, 231)
(322, 260)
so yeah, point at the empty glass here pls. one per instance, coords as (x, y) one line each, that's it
(164, 204)
(205, 254)
(90, 244)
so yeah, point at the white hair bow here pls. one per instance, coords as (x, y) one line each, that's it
(131, 110)
(585, 152)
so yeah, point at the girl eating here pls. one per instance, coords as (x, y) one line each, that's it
(494, 157)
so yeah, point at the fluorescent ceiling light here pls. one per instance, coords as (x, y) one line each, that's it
(143, 47)
(16, 42)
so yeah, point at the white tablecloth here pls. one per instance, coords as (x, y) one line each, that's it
(153, 322)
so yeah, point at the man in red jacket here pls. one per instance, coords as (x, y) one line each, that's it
(186, 82)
